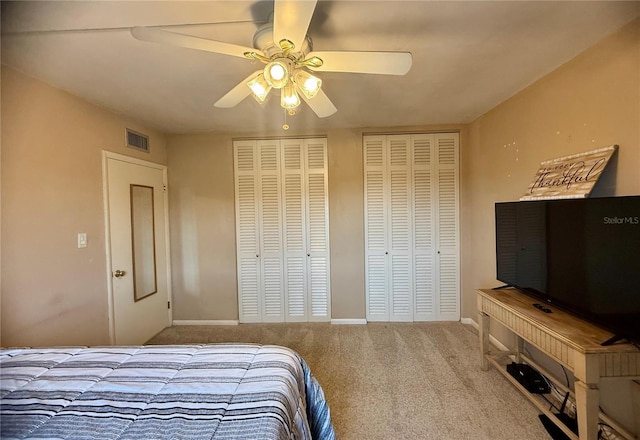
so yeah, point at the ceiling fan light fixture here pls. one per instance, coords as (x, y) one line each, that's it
(289, 98)
(308, 84)
(260, 87)
(277, 74)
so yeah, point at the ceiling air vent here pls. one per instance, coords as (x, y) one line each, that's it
(137, 140)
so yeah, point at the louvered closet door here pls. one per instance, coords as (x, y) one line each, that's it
(411, 227)
(270, 223)
(400, 237)
(295, 255)
(282, 230)
(375, 223)
(424, 251)
(247, 232)
(317, 229)
(447, 227)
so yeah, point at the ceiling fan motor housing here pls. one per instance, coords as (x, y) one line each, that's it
(263, 41)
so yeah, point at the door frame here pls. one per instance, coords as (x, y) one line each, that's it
(106, 155)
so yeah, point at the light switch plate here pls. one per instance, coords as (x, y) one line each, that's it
(82, 240)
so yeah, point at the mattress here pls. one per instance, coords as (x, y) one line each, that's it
(214, 391)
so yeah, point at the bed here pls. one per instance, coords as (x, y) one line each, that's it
(209, 391)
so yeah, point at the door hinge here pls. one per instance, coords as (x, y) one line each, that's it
(164, 188)
(168, 304)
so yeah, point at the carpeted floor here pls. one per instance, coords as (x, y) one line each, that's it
(394, 380)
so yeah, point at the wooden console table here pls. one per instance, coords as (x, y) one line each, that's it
(568, 340)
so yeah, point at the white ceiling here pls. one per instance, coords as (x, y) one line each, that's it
(467, 56)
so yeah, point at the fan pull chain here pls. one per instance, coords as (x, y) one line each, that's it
(290, 112)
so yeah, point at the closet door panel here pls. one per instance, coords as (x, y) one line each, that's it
(249, 291)
(319, 285)
(271, 254)
(317, 211)
(247, 232)
(377, 290)
(424, 230)
(295, 289)
(400, 239)
(401, 294)
(376, 270)
(448, 228)
(294, 230)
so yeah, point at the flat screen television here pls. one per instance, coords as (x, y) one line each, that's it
(582, 255)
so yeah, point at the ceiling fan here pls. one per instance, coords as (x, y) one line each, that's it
(287, 52)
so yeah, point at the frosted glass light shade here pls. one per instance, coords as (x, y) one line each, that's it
(289, 98)
(260, 87)
(277, 74)
(308, 84)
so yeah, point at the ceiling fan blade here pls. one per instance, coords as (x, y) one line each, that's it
(291, 20)
(181, 40)
(237, 94)
(383, 63)
(320, 104)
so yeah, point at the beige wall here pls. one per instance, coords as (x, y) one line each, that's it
(590, 102)
(202, 222)
(52, 292)
(201, 198)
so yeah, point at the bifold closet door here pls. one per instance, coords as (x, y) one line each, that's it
(282, 230)
(259, 231)
(411, 227)
(306, 226)
(388, 228)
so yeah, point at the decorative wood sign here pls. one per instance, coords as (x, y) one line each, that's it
(569, 177)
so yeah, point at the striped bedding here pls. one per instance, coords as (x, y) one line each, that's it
(216, 391)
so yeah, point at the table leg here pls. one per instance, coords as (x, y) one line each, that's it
(483, 324)
(588, 408)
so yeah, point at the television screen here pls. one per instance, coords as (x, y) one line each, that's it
(581, 254)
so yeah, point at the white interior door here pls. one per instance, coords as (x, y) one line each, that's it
(137, 234)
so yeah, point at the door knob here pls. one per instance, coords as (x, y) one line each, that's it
(119, 273)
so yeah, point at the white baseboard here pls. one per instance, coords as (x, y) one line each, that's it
(204, 322)
(469, 321)
(492, 338)
(349, 321)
